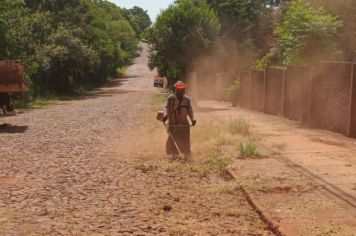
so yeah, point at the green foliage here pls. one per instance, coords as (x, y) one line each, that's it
(232, 92)
(182, 33)
(248, 150)
(139, 20)
(66, 46)
(269, 59)
(246, 32)
(346, 11)
(244, 22)
(306, 33)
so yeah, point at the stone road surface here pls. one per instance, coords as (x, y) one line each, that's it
(56, 177)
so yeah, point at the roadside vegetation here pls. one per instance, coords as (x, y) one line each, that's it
(232, 93)
(216, 146)
(69, 46)
(235, 35)
(183, 32)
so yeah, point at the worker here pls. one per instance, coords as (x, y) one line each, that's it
(177, 110)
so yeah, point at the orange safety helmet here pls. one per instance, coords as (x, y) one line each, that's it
(179, 85)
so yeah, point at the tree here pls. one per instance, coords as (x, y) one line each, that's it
(245, 24)
(182, 33)
(346, 11)
(66, 46)
(307, 33)
(139, 19)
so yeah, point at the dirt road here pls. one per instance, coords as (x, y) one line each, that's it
(306, 181)
(79, 168)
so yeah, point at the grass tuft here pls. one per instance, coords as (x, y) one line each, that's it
(209, 163)
(145, 168)
(207, 131)
(239, 127)
(214, 162)
(248, 150)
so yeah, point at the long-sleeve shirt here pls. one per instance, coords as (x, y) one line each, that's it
(178, 111)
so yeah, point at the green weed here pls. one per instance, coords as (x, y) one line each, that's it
(248, 150)
(120, 71)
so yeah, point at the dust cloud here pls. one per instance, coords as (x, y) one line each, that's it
(210, 76)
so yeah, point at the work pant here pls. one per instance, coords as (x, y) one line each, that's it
(181, 135)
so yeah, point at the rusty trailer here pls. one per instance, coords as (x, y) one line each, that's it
(12, 77)
(11, 81)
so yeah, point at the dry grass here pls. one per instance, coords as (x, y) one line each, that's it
(145, 168)
(157, 101)
(214, 144)
(202, 166)
(230, 140)
(207, 131)
(231, 187)
(239, 127)
(330, 229)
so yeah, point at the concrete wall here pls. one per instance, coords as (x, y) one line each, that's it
(323, 96)
(330, 100)
(258, 90)
(274, 91)
(352, 122)
(297, 93)
(245, 89)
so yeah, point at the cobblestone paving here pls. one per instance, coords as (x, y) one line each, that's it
(55, 181)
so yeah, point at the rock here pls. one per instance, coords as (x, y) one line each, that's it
(167, 207)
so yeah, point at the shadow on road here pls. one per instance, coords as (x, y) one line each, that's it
(210, 109)
(108, 90)
(118, 82)
(12, 129)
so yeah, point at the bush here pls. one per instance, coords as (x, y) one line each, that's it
(232, 93)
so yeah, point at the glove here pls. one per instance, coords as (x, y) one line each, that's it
(165, 118)
(194, 122)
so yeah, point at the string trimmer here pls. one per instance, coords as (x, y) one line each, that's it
(160, 115)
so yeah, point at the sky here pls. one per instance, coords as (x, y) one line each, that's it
(152, 6)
